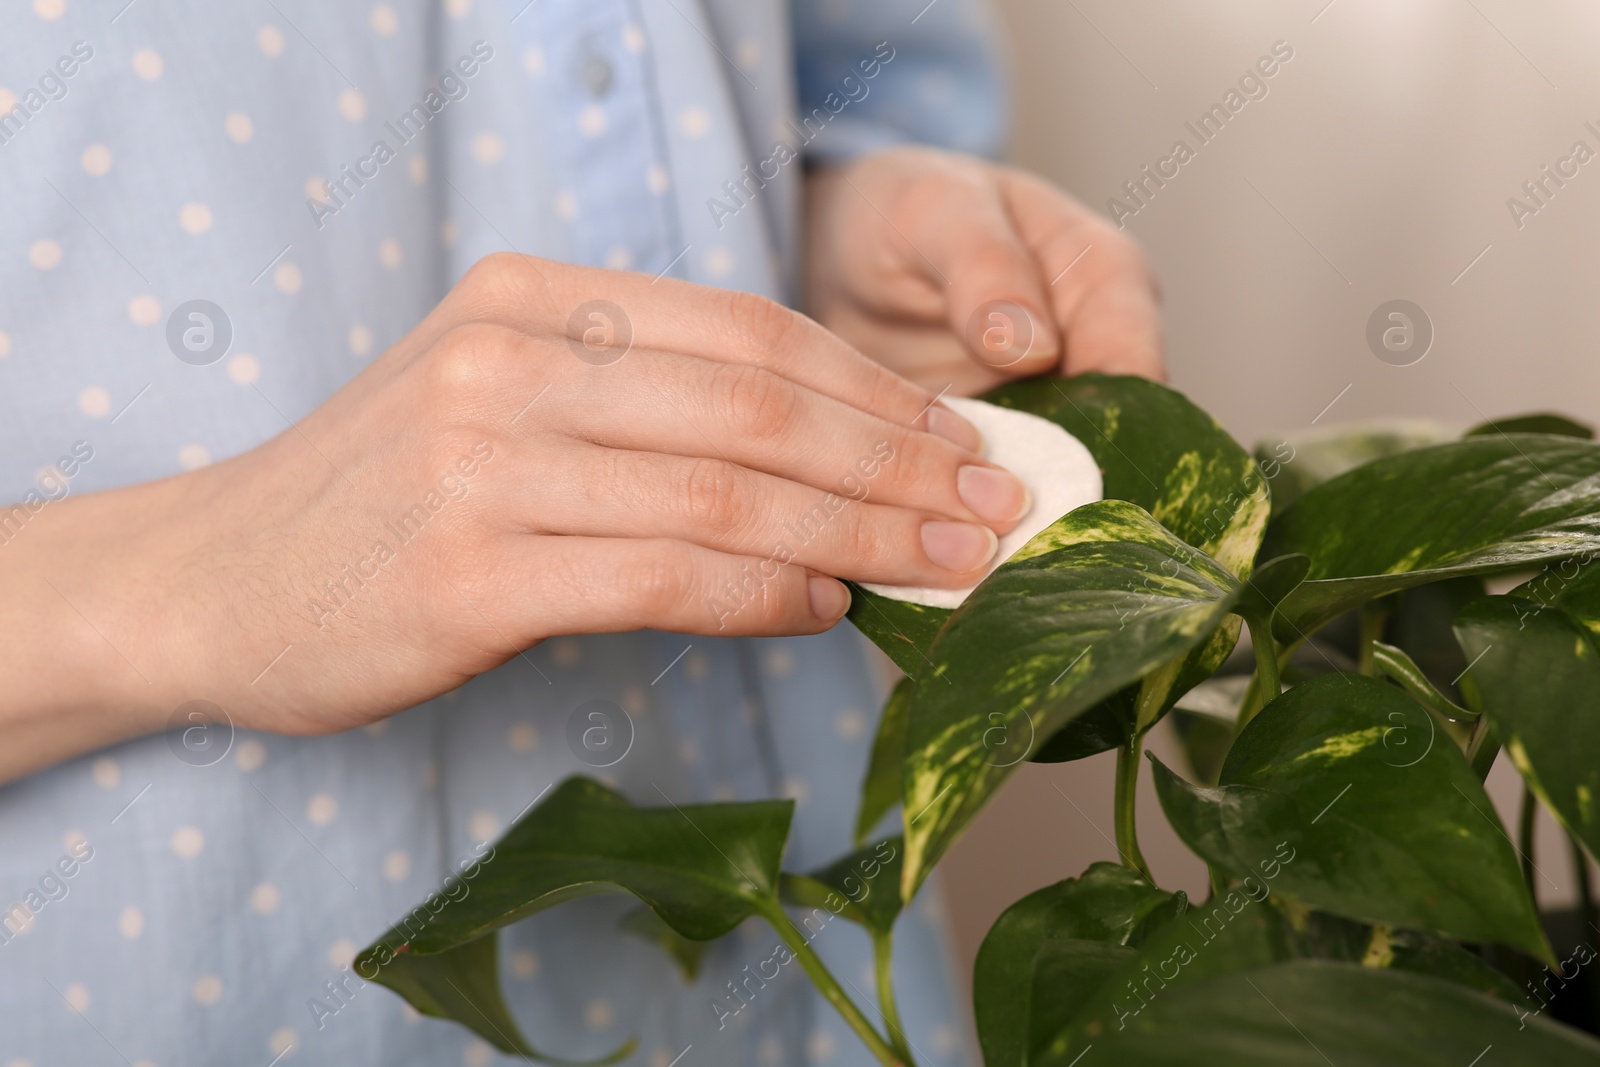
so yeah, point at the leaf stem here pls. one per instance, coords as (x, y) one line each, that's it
(1218, 881)
(1127, 792)
(1250, 704)
(1374, 613)
(1586, 904)
(827, 984)
(1268, 686)
(1525, 822)
(1483, 744)
(883, 971)
(1265, 682)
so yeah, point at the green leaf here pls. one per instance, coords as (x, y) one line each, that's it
(1537, 671)
(1540, 422)
(703, 869)
(880, 789)
(1208, 941)
(1571, 585)
(1318, 935)
(462, 984)
(1107, 725)
(1158, 450)
(1065, 975)
(902, 629)
(1393, 663)
(642, 922)
(1155, 449)
(1470, 507)
(1373, 816)
(1424, 953)
(1311, 1013)
(1092, 603)
(863, 887)
(1305, 462)
(1247, 928)
(1064, 940)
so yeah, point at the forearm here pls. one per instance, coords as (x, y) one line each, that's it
(83, 660)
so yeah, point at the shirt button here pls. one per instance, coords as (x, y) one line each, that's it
(596, 74)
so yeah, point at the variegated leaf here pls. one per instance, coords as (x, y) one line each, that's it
(1537, 673)
(1092, 604)
(1369, 811)
(1053, 948)
(1469, 507)
(1155, 449)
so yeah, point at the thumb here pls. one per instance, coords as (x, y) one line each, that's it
(996, 300)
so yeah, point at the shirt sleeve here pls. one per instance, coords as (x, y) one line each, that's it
(876, 73)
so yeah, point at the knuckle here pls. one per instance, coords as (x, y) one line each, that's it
(930, 193)
(764, 328)
(991, 255)
(502, 275)
(712, 496)
(899, 400)
(659, 582)
(868, 541)
(469, 357)
(758, 404)
(915, 465)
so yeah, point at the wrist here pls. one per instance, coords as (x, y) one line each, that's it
(82, 660)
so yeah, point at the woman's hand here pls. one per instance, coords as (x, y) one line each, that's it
(554, 450)
(959, 274)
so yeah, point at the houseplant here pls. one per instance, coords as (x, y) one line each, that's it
(1366, 904)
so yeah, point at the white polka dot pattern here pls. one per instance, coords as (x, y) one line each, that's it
(226, 153)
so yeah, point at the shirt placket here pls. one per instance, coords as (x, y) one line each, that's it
(608, 132)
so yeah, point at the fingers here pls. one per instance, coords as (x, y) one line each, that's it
(1101, 291)
(584, 585)
(602, 315)
(757, 419)
(601, 492)
(995, 299)
(924, 351)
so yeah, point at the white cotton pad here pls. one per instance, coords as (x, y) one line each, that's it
(1053, 464)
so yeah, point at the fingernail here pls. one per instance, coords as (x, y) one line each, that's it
(1003, 333)
(959, 546)
(994, 494)
(829, 599)
(952, 427)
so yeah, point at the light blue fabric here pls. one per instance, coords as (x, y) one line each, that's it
(199, 150)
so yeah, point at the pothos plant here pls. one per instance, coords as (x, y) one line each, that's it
(1366, 904)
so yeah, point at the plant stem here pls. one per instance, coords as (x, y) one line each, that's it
(1127, 798)
(1265, 682)
(1586, 905)
(1482, 748)
(1525, 837)
(1268, 686)
(1249, 705)
(827, 984)
(1374, 613)
(1483, 745)
(883, 971)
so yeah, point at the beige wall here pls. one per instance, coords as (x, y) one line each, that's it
(1377, 167)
